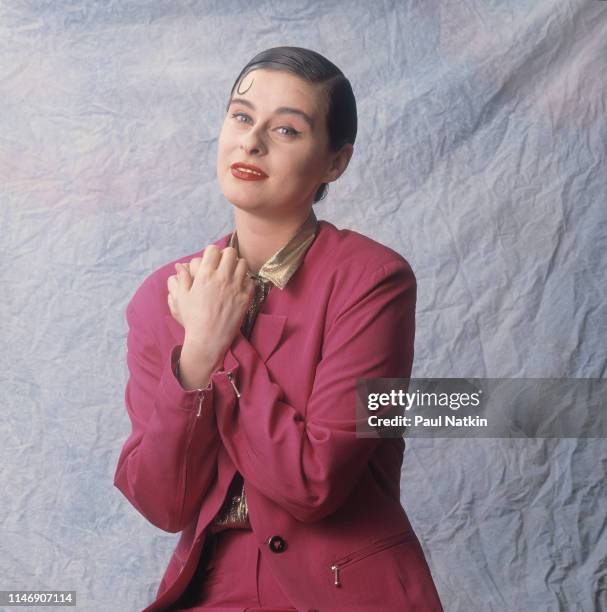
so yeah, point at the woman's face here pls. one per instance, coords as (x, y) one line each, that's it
(291, 148)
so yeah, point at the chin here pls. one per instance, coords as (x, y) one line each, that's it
(239, 199)
(240, 193)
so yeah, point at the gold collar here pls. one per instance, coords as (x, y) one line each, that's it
(283, 264)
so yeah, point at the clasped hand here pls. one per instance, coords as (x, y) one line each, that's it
(209, 297)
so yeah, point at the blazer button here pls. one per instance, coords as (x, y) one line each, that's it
(277, 544)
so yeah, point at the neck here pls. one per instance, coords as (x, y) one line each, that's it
(259, 238)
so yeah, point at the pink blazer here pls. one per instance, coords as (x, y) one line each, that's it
(323, 503)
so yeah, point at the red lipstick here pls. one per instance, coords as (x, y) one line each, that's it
(247, 172)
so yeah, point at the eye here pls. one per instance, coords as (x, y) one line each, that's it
(239, 115)
(291, 131)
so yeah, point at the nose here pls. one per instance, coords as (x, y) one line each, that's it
(251, 143)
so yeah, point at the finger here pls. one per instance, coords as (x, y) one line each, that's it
(210, 257)
(171, 296)
(182, 265)
(172, 283)
(194, 265)
(250, 287)
(208, 263)
(240, 272)
(229, 259)
(183, 277)
(171, 303)
(181, 268)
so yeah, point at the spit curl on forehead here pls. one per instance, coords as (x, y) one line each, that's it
(242, 81)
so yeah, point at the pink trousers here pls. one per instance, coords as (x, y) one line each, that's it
(232, 576)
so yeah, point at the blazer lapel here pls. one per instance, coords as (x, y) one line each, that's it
(267, 333)
(265, 337)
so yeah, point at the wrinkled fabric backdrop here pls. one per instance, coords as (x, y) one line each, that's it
(480, 157)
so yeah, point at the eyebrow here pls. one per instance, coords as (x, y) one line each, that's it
(282, 110)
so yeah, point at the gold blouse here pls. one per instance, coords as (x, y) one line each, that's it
(277, 270)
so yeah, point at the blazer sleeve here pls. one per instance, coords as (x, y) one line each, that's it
(310, 466)
(170, 457)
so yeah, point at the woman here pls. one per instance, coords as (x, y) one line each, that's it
(243, 362)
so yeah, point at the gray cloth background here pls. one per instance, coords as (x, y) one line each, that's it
(480, 157)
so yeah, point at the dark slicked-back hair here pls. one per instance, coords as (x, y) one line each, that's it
(314, 68)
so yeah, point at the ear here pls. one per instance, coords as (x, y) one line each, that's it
(339, 163)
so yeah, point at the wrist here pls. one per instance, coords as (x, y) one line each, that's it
(203, 352)
(180, 380)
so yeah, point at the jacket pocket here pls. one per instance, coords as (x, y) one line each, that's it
(363, 553)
